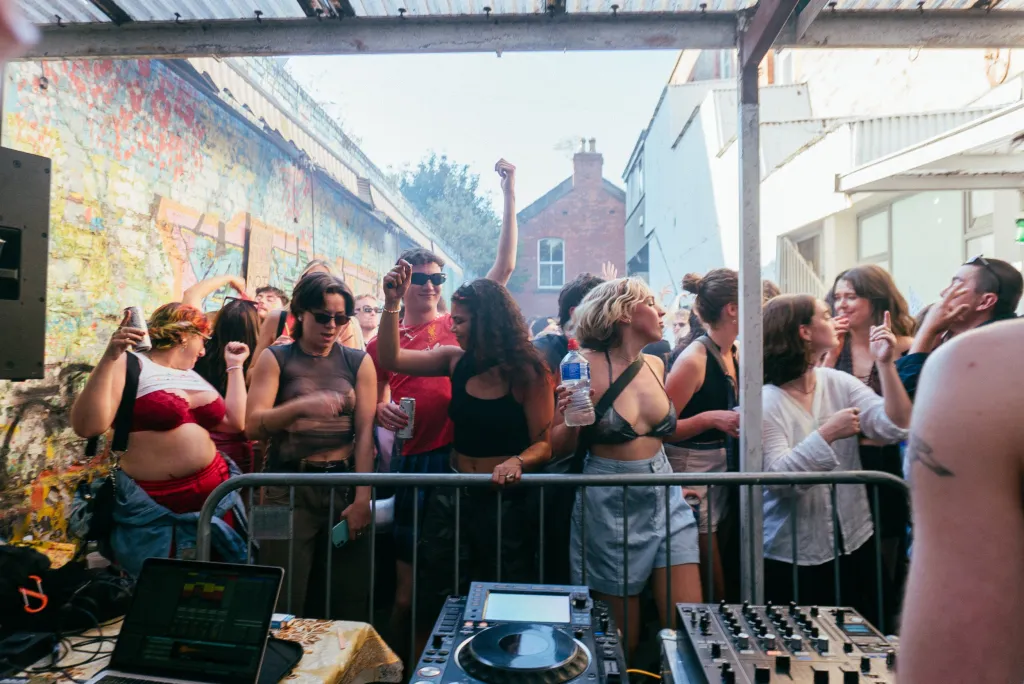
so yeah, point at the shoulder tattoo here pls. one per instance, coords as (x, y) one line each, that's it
(919, 451)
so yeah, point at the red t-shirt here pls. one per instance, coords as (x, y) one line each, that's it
(431, 427)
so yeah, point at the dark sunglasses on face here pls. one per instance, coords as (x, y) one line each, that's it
(339, 319)
(423, 278)
(980, 260)
(370, 309)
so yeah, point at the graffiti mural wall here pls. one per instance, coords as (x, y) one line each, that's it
(155, 187)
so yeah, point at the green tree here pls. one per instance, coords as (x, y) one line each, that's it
(449, 196)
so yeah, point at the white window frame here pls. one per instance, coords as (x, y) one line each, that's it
(884, 258)
(541, 264)
(976, 227)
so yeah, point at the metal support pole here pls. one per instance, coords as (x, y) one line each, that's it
(751, 344)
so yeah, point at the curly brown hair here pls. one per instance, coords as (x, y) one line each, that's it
(872, 282)
(714, 291)
(786, 354)
(498, 334)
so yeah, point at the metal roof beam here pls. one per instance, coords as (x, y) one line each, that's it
(516, 33)
(768, 20)
(112, 10)
(806, 16)
(953, 180)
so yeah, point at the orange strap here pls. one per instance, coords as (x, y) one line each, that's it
(26, 593)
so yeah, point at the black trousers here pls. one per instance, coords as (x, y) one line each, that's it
(858, 585)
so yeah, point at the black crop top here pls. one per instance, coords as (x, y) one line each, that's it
(611, 428)
(485, 428)
(717, 393)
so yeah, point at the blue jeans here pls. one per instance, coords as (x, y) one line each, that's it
(406, 503)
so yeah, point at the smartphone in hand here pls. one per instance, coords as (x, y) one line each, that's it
(339, 535)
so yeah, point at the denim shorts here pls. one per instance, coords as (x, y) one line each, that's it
(703, 458)
(427, 463)
(649, 546)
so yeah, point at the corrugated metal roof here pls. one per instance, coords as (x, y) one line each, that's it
(74, 11)
(881, 136)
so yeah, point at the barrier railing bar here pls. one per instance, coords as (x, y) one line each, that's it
(711, 549)
(835, 543)
(458, 522)
(501, 514)
(330, 554)
(373, 548)
(291, 541)
(625, 572)
(669, 616)
(252, 531)
(415, 572)
(583, 532)
(792, 529)
(540, 540)
(474, 480)
(878, 559)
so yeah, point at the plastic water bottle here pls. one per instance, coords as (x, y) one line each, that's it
(576, 378)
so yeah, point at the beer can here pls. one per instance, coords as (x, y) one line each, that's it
(135, 319)
(693, 501)
(408, 406)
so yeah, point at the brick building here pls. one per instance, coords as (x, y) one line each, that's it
(574, 228)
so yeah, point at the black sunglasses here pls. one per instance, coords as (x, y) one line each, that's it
(424, 278)
(980, 260)
(251, 302)
(370, 309)
(339, 319)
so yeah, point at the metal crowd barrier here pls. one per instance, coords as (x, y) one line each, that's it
(459, 480)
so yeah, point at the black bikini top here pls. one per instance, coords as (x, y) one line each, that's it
(611, 428)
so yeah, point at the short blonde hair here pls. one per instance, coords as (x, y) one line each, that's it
(596, 321)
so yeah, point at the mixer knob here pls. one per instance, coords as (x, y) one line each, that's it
(437, 641)
(823, 644)
(769, 605)
(814, 613)
(788, 631)
(743, 641)
(762, 631)
(721, 607)
(851, 677)
(579, 601)
(716, 650)
(865, 664)
(769, 642)
(821, 677)
(729, 677)
(726, 667)
(890, 659)
(782, 664)
(762, 675)
(840, 616)
(796, 644)
(848, 647)
(792, 608)
(746, 607)
(814, 632)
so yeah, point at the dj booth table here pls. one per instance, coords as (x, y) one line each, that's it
(334, 652)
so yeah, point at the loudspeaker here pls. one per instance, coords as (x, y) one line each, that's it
(24, 247)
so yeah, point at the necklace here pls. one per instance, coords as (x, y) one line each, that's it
(814, 386)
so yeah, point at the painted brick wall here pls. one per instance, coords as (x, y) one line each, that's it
(154, 187)
(590, 218)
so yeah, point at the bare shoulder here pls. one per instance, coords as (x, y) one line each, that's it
(656, 363)
(903, 345)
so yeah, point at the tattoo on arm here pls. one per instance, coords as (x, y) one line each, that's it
(919, 451)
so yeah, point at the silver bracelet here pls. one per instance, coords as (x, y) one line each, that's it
(233, 368)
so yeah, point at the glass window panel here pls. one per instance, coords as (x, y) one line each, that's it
(557, 276)
(556, 250)
(873, 237)
(985, 245)
(982, 203)
(545, 250)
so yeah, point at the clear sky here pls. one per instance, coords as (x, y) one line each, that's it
(530, 108)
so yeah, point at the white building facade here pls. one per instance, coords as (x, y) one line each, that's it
(917, 176)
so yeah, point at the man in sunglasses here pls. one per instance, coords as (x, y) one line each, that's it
(982, 291)
(368, 314)
(425, 327)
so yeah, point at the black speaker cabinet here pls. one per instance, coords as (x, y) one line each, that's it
(24, 246)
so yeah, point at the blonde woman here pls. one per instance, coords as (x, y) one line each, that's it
(613, 323)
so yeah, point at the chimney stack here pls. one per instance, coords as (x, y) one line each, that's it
(587, 165)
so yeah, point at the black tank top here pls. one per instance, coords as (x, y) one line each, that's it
(301, 374)
(485, 427)
(713, 395)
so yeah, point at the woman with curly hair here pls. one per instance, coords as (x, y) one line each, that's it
(812, 417)
(501, 410)
(633, 416)
(171, 464)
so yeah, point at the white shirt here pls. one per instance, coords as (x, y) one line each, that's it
(792, 443)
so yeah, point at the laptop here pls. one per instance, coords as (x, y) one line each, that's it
(195, 623)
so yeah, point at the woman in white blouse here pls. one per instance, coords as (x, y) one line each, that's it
(812, 417)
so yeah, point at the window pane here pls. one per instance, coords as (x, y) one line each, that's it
(544, 276)
(982, 203)
(545, 250)
(557, 277)
(874, 235)
(985, 245)
(556, 250)
(926, 243)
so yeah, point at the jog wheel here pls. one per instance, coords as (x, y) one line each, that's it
(523, 654)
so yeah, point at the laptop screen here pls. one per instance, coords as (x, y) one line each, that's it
(205, 622)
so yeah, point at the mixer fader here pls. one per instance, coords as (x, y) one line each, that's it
(741, 644)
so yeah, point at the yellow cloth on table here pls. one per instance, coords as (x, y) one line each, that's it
(334, 652)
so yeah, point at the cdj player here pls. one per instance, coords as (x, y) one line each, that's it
(745, 644)
(523, 633)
